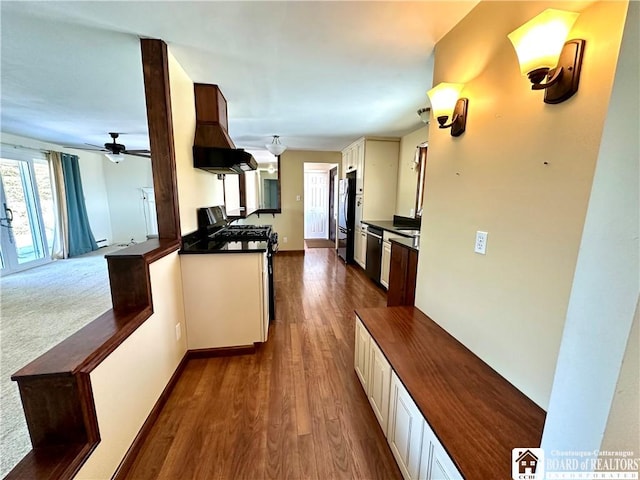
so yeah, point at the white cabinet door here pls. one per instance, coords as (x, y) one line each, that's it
(360, 248)
(359, 207)
(359, 161)
(379, 384)
(442, 468)
(385, 267)
(435, 464)
(361, 361)
(348, 160)
(405, 430)
(357, 248)
(425, 456)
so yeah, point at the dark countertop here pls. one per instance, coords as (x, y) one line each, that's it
(477, 415)
(390, 227)
(411, 243)
(197, 244)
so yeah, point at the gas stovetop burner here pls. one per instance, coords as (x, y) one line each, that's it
(244, 233)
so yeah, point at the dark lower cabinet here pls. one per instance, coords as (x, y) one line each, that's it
(402, 275)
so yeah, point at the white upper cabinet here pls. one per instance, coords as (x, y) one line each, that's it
(375, 161)
(358, 150)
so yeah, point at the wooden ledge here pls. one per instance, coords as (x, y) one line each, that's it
(86, 348)
(151, 250)
(477, 415)
(50, 462)
(55, 388)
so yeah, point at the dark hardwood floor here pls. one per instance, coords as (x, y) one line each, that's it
(293, 410)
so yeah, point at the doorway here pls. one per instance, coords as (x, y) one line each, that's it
(26, 213)
(333, 195)
(319, 205)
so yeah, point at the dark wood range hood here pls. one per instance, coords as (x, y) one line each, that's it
(213, 149)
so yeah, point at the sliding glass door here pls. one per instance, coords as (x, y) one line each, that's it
(26, 213)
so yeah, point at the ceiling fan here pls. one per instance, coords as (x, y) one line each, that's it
(115, 151)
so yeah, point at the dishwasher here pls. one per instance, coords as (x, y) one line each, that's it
(374, 252)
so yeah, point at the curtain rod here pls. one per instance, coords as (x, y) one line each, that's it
(13, 145)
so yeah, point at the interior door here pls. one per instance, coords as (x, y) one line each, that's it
(25, 233)
(316, 204)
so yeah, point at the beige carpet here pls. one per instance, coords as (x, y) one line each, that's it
(319, 243)
(39, 308)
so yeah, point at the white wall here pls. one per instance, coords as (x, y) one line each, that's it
(509, 306)
(123, 183)
(408, 173)
(290, 223)
(606, 282)
(93, 182)
(96, 196)
(127, 384)
(623, 425)
(196, 188)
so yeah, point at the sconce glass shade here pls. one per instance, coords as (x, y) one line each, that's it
(443, 98)
(538, 42)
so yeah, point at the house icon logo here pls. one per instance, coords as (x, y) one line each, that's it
(527, 464)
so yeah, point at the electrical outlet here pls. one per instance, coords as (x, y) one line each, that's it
(481, 242)
(178, 332)
(284, 239)
(298, 198)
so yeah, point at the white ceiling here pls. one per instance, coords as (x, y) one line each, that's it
(319, 74)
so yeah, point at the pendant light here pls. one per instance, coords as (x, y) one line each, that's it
(275, 147)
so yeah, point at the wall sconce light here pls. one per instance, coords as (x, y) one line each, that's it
(424, 114)
(445, 102)
(543, 54)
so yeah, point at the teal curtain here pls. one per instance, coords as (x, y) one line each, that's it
(81, 238)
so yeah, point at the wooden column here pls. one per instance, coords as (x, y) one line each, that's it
(155, 66)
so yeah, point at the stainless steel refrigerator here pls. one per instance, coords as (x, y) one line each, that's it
(346, 217)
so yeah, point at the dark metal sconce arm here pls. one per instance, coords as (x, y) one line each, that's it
(555, 76)
(443, 121)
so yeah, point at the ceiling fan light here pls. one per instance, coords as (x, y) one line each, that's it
(114, 157)
(275, 147)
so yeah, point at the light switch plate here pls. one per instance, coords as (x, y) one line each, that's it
(481, 242)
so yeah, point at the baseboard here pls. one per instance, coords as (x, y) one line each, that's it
(127, 462)
(221, 351)
(289, 253)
